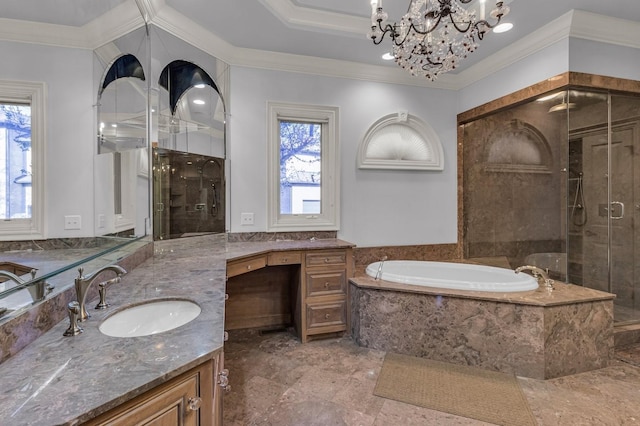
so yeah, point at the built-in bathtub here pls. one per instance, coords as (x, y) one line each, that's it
(455, 276)
(532, 333)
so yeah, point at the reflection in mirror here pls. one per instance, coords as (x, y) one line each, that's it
(29, 276)
(121, 170)
(122, 104)
(188, 134)
(188, 192)
(191, 115)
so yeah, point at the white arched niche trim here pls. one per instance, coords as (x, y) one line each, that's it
(400, 141)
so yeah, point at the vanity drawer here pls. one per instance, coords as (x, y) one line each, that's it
(327, 315)
(284, 258)
(238, 267)
(326, 258)
(326, 283)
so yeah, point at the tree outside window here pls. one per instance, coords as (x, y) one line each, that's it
(15, 161)
(300, 167)
(303, 168)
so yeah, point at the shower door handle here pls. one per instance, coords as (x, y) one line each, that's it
(617, 203)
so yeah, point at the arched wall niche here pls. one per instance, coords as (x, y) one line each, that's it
(518, 147)
(400, 141)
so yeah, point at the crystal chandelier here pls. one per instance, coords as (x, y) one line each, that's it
(434, 35)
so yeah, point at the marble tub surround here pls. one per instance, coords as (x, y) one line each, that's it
(18, 329)
(68, 380)
(531, 334)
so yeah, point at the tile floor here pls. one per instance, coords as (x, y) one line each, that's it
(278, 381)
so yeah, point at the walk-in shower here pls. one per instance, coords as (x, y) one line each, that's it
(556, 179)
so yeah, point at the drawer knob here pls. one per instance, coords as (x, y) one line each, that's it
(326, 260)
(194, 403)
(226, 336)
(248, 266)
(326, 284)
(226, 296)
(284, 260)
(326, 316)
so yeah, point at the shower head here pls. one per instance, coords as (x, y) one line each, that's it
(562, 106)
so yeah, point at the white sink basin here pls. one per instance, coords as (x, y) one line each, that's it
(148, 318)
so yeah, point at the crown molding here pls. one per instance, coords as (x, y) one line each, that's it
(42, 33)
(605, 29)
(117, 22)
(185, 29)
(334, 68)
(549, 34)
(129, 16)
(304, 18)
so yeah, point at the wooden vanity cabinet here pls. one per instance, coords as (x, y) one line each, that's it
(191, 399)
(325, 293)
(306, 287)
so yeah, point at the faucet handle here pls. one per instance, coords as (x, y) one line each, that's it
(102, 304)
(74, 329)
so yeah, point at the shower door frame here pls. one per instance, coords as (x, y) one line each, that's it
(621, 241)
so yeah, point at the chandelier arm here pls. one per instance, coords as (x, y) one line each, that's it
(461, 30)
(429, 30)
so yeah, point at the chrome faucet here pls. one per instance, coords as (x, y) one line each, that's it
(16, 279)
(379, 273)
(83, 282)
(37, 290)
(539, 274)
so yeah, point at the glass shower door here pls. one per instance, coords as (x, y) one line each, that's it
(624, 209)
(603, 198)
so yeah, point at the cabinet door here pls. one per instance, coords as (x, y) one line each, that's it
(184, 401)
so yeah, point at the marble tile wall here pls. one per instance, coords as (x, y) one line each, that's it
(512, 202)
(437, 252)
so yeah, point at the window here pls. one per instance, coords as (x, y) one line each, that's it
(303, 168)
(21, 160)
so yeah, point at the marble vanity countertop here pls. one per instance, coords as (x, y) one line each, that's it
(240, 250)
(562, 294)
(68, 380)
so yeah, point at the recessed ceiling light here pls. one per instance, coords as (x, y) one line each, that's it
(198, 101)
(388, 56)
(114, 125)
(502, 28)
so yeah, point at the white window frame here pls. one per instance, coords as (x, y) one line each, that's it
(35, 94)
(329, 218)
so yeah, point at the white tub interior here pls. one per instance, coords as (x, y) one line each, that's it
(449, 275)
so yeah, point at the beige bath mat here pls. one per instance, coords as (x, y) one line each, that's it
(464, 391)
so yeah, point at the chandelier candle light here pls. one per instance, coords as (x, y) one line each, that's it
(434, 35)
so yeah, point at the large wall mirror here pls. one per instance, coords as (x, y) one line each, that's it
(143, 122)
(121, 166)
(188, 139)
(121, 196)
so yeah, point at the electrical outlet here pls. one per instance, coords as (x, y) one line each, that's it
(102, 221)
(73, 222)
(246, 218)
